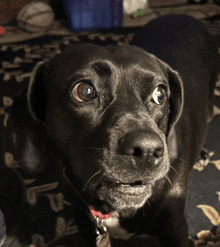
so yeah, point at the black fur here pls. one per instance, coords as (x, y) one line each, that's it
(123, 151)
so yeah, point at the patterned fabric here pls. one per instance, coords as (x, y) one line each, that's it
(46, 217)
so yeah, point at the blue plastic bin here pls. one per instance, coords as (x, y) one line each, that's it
(93, 14)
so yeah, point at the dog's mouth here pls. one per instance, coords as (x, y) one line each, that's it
(121, 197)
(129, 189)
(112, 195)
(116, 196)
(133, 190)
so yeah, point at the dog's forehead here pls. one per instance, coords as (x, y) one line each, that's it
(116, 52)
(128, 54)
(116, 61)
(80, 56)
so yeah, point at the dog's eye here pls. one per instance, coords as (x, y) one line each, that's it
(83, 91)
(159, 95)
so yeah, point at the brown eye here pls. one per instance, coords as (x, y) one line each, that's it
(83, 91)
(159, 95)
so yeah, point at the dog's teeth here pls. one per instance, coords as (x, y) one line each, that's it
(125, 184)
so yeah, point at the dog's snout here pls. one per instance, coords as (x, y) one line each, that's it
(145, 148)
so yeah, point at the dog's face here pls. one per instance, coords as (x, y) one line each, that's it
(109, 111)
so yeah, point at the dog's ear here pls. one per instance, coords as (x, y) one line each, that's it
(176, 94)
(176, 97)
(36, 94)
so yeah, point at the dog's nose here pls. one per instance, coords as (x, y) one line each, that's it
(145, 147)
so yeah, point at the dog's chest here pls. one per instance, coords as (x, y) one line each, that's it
(114, 228)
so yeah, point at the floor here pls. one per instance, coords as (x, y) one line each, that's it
(199, 11)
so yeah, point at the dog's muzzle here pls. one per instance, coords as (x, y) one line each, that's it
(132, 170)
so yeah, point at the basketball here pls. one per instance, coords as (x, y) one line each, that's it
(36, 17)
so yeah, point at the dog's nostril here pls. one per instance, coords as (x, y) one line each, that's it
(158, 153)
(137, 152)
(142, 147)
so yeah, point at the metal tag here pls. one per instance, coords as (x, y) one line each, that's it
(103, 239)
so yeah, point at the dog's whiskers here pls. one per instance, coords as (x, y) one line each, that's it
(183, 161)
(168, 179)
(174, 169)
(135, 211)
(90, 179)
(100, 179)
(143, 207)
(180, 159)
(147, 202)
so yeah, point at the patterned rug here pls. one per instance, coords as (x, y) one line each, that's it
(45, 219)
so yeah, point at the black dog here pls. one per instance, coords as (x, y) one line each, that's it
(126, 125)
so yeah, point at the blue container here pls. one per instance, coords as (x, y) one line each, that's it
(93, 14)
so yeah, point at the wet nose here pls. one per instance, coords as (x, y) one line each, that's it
(145, 147)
